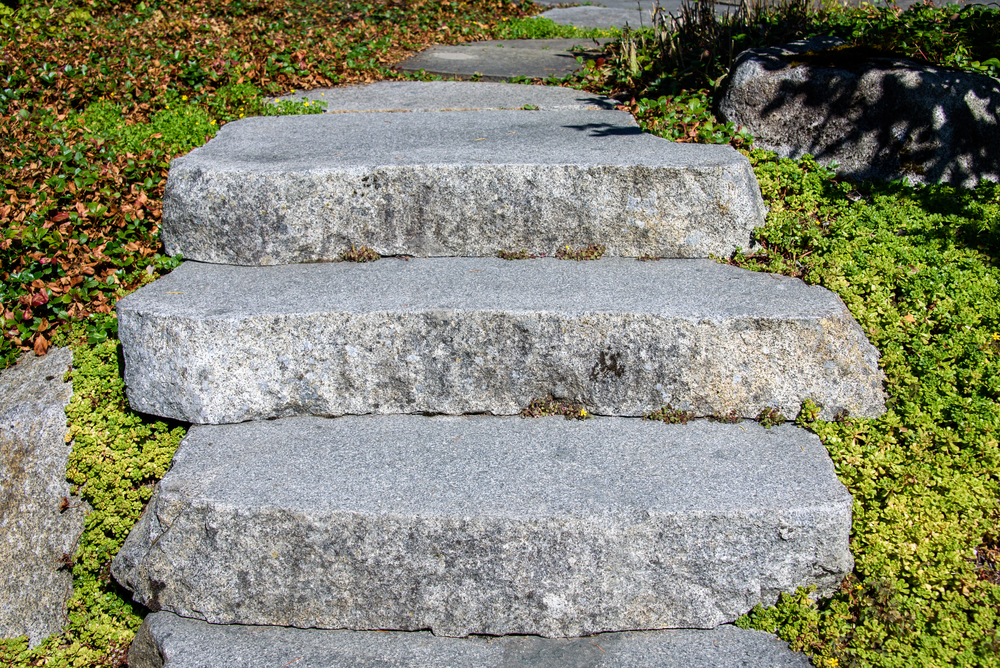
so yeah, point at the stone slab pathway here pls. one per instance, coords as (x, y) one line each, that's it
(168, 641)
(399, 96)
(473, 524)
(213, 343)
(273, 190)
(500, 60)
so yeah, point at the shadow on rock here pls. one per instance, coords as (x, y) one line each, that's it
(875, 116)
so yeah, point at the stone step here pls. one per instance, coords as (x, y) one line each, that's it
(488, 525)
(619, 13)
(505, 59)
(220, 344)
(449, 96)
(169, 641)
(294, 189)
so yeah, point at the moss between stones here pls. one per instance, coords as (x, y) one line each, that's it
(549, 406)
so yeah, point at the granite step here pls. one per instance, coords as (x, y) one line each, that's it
(505, 59)
(220, 344)
(291, 189)
(488, 525)
(635, 14)
(423, 96)
(169, 641)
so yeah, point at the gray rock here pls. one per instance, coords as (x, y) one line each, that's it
(35, 531)
(304, 188)
(881, 118)
(644, 5)
(168, 641)
(218, 344)
(598, 17)
(487, 525)
(618, 13)
(500, 60)
(449, 96)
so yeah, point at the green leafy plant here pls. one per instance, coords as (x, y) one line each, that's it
(548, 406)
(542, 28)
(809, 413)
(770, 417)
(670, 415)
(918, 269)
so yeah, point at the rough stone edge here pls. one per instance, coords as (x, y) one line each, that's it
(58, 355)
(148, 651)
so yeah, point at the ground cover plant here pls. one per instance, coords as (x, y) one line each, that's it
(918, 268)
(97, 96)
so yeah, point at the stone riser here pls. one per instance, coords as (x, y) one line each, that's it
(270, 191)
(168, 641)
(488, 525)
(211, 344)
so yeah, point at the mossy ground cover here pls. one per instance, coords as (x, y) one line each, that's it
(97, 96)
(918, 268)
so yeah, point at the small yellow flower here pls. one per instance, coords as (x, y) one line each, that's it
(996, 336)
(213, 121)
(184, 98)
(241, 115)
(307, 103)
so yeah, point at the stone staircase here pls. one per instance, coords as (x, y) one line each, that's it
(358, 469)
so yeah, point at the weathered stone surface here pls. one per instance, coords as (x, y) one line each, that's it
(877, 118)
(218, 344)
(598, 17)
(501, 60)
(618, 13)
(35, 531)
(488, 525)
(303, 188)
(169, 641)
(449, 96)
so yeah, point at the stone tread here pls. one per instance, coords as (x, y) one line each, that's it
(292, 189)
(218, 344)
(168, 641)
(486, 525)
(423, 96)
(502, 60)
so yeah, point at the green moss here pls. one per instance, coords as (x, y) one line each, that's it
(918, 269)
(117, 456)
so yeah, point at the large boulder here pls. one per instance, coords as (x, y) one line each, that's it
(876, 117)
(40, 522)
